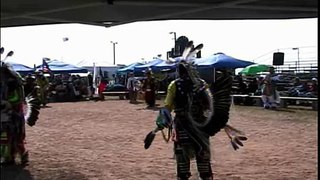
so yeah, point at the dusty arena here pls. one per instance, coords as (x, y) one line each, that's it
(104, 141)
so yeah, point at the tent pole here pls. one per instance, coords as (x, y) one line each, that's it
(214, 75)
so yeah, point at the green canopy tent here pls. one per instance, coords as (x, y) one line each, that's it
(255, 69)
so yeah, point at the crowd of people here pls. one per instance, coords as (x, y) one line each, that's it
(270, 87)
(304, 89)
(58, 88)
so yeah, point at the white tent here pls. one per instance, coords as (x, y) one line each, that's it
(107, 68)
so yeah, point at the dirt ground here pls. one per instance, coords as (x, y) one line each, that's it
(104, 141)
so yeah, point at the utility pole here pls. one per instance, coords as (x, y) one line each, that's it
(175, 40)
(298, 61)
(114, 51)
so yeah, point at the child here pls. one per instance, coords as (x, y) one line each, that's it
(102, 86)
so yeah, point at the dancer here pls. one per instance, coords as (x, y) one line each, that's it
(195, 118)
(13, 116)
(43, 84)
(149, 87)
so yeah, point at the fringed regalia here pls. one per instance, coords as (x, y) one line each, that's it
(149, 87)
(15, 110)
(200, 112)
(190, 141)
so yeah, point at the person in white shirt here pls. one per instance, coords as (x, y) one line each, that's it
(132, 89)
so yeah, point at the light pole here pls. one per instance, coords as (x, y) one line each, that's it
(174, 35)
(298, 62)
(114, 51)
(175, 39)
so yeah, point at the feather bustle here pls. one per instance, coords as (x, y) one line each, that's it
(32, 109)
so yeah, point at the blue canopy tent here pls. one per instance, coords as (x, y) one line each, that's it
(141, 68)
(129, 68)
(58, 67)
(207, 65)
(220, 60)
(20, 68)
(164, 66)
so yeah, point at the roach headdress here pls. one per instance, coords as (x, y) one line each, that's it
(186, 67)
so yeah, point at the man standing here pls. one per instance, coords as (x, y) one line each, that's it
(132, 89)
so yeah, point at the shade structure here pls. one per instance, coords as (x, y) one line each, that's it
(129, 68)
(255, 68)
(114, 13)
(144, 67)
(61, 67)
(220, 60)
(22, 69)
(164, 66)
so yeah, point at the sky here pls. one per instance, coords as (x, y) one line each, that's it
(251, 40)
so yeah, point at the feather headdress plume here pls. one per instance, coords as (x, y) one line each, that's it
(187, 62)
(187, 50)
(171, 60)
(194, 51)
(190, 51)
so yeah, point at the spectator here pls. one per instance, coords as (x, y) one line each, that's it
(313, 88)
(102, 86)
(90, 84)
(242, 86)
(132, 88)
(251, 90)
(297, 82)
(253, 86)
(270, 96)
(299, 89)
(61, 91)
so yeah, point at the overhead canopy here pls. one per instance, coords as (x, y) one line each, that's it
(22, 69)
(255, 68)
(115, 12)
(130, 67)
(97, 64)
(61, 67)
(148, 65)
(220, 60)
(164, 66)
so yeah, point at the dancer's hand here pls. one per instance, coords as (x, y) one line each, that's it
(161, 124)
(164, 118)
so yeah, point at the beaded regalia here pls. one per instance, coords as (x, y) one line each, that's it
(16, 109)
(200, 111)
